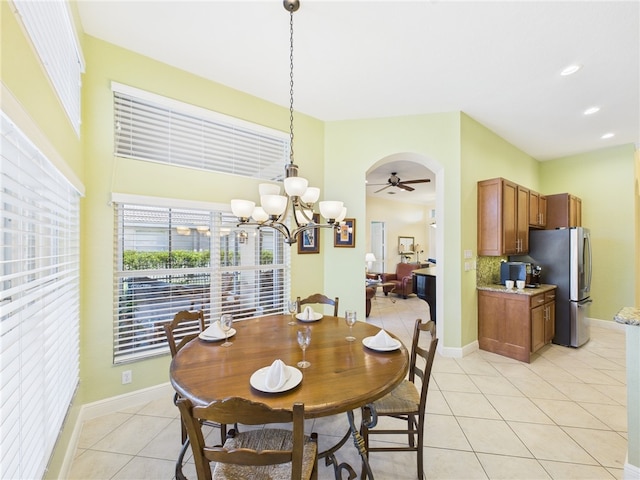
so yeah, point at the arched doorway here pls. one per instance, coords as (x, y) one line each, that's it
(428, 232)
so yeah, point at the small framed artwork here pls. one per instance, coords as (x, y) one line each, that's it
(345, 234)
(309, 240)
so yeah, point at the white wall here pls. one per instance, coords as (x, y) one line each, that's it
(401, 219)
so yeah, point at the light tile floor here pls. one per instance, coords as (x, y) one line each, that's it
(563, 416)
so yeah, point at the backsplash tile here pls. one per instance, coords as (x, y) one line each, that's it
(488, 270)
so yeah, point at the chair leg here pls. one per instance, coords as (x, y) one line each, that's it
(420, 455)
(223, 433)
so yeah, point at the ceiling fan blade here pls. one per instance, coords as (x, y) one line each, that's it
(383, 188)
(405, 187)
(376, 184)
(421, 180)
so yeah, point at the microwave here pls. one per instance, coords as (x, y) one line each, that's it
(515, 271)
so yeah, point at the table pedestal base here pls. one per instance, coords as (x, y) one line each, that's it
(338, 468)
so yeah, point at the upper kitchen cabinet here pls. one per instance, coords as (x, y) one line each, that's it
(537, 210)
(503, 218)
(563, 210)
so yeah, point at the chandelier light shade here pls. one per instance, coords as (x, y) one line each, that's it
(291, 213)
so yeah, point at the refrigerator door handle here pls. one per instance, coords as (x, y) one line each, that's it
(588, 253)
(586, 301)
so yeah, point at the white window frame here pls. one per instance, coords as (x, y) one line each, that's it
(154, 128)
(147, 297)
(39, 303)
(49, 25)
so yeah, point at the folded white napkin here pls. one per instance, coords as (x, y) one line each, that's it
(383, 339)
(214, 331)
(277, 375)
(308, 313)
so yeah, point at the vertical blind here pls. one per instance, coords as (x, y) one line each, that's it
(39, 304)
(172, 259)
(51, 30)
(155, 128)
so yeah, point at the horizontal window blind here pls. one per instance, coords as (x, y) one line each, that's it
(172, 259)
(154, 128)
(39, 302)
(51, 30)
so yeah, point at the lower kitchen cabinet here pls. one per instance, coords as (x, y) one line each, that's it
(515, 324)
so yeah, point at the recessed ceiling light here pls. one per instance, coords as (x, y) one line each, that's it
(591, 110)
(570, 70)
(607, 135)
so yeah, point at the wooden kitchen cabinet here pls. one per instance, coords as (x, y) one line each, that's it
(503, 218)
(563, 211)
(515, 325)
(537, 210)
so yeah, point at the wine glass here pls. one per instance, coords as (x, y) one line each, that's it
(293, 307)
(350, 318)
(304, 338)
(226, 321)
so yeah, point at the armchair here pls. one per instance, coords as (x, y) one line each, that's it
(402, 279)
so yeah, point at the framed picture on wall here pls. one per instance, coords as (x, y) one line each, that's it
(345, 234)
(309, 240)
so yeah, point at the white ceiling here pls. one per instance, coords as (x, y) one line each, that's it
(498, 62)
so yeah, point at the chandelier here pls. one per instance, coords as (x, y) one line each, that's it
(299, 199)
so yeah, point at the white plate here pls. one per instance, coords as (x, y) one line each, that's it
(259, 376)
(367, 342)
(316, 316)
(215, 338)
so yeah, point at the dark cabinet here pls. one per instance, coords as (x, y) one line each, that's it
(424, 285)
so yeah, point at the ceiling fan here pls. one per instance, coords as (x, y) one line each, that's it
(394, 181)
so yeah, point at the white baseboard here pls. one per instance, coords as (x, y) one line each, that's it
(608, 324)
(106, 406)
(457, 352)
(631, 472)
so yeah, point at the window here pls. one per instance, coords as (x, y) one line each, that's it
(158, 129)
(172, 259)
(39, 312)
(51, 30)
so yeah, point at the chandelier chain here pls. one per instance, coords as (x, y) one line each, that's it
(291, 86)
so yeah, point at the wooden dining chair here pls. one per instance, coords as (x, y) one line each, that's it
(406, 402)
(265, 452)
(319, 298)
(185, 326)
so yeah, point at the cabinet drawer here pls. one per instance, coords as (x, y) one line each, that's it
(537, 300)
(550, 296)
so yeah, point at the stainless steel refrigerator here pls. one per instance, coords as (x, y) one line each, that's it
(565, 258)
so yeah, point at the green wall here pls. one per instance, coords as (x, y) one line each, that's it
(484, 155)
(107, 174)
(604, 180)
(334, 156)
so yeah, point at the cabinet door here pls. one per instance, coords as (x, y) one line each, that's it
(510, 218)
(575, 211)
(522, 225)
(534, 208)
(504, 324)
(542, 210)
(550, 322)
(538, 323)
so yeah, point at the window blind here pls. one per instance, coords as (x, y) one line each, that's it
(51, 30)
(39, 304)
(172, 259)
(155, 128)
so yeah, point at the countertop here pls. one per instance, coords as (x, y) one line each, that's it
(425, 271)
(493, 287)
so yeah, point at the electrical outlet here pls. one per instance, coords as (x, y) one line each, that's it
(127, 377)
(468, 254)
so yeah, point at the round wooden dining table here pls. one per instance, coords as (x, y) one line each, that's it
(343, 375)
